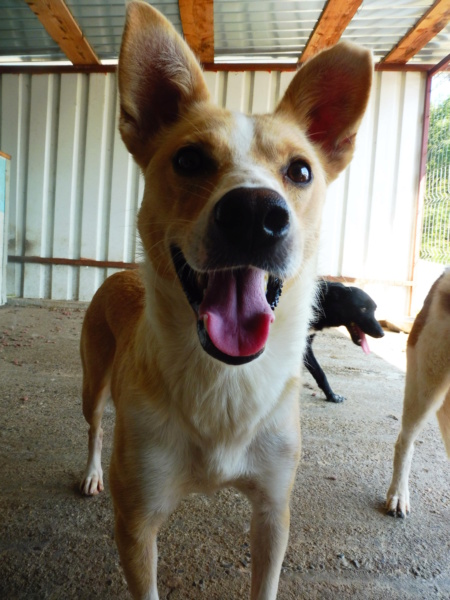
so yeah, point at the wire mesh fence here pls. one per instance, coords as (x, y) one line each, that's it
(435, 245)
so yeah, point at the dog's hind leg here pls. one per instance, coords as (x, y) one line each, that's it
(97, 351)
(443, 416)
(92, 482)
(422, 398)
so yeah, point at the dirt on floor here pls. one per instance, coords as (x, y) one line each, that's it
(56, 544)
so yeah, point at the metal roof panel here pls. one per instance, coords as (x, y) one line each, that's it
(244, 31)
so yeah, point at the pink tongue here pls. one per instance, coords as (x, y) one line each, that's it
(237, 314)
(364, 342)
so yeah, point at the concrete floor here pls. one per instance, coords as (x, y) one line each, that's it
(55, 544)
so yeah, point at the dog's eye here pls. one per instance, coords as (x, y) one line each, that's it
(299, 172)
(363, 309)
(188, 160)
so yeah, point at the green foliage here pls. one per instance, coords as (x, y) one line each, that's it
(436, 222)
(438, 152)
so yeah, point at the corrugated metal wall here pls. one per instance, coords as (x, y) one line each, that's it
(75, 190)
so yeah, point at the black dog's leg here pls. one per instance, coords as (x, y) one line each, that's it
(310, 362)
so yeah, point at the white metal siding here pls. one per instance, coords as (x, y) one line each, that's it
(75, 190)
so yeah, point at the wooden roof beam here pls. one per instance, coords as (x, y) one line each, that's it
(62, 27)
(429, 25)
(332, 23)
(444, 65)
(197, 19)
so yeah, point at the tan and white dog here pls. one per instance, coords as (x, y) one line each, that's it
(204, 372)
(427, 387)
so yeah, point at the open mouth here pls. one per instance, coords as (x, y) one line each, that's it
(358, 337)
(234, 308)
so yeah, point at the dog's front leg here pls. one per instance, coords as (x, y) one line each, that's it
(312, 364)
(144, 497)
(138, 555)
(269, 492)
(269, 536)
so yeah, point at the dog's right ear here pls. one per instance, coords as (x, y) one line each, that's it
(158, 77)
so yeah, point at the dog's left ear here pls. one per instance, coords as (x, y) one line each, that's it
(328, 96)
(159, 77)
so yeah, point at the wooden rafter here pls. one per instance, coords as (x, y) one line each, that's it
(332, 23)
(213, 67)
(443, 65)
(197, 19)
(62, 27)
(429, 25)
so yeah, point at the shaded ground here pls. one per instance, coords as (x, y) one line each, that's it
(55, 544)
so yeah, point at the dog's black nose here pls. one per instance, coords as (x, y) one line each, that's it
(252, 218)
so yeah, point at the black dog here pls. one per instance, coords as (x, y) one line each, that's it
(338, 305)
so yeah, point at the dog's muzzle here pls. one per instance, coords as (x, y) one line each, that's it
(235, 297)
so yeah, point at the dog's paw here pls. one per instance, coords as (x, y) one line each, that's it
(92, 482)
(397, 505)
(336, 398)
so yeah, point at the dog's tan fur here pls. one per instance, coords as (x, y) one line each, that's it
(186, 422)
(427, 387)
